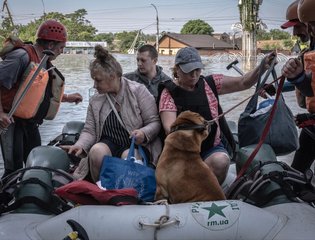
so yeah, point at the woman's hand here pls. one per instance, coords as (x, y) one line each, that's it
(72, 149)
(139, 135)
(269, 58)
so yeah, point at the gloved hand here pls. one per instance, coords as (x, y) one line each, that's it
(270, 89)
(267, 89)
(304, 119)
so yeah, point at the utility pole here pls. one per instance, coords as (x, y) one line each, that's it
(249, 20)
(5, 6)
(157, 28)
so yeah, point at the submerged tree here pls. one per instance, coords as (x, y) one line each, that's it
(78, 27)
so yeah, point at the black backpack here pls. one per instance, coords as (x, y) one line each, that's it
(226, 134)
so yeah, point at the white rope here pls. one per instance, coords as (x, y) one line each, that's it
(163, 221)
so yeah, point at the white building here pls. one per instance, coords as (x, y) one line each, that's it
(78, 47)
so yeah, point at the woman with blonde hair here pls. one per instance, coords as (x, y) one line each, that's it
(121, 109)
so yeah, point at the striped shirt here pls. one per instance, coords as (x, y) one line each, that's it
(115, 132)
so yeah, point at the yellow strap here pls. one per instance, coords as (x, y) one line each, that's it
(73, 235)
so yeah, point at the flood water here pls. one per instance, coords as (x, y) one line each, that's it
(75, 70)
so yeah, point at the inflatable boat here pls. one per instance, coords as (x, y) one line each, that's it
(272, 201)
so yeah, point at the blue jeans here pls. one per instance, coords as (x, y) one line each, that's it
(218, 148)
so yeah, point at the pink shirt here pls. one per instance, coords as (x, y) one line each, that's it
(167, 102)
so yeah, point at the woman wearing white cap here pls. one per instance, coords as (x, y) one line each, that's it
(191, 91)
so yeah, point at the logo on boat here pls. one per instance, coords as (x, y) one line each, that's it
(216, 215)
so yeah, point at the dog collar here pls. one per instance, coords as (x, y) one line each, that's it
(200, 127)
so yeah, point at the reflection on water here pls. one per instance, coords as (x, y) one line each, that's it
(75, 68)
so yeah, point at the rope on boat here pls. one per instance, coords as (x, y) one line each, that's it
(163, 221)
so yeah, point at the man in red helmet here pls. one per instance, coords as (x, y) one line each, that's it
(301, 72)
(299, 28)
(22, 133)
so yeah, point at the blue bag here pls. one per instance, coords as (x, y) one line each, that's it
(117, 173)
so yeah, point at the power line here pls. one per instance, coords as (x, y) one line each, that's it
(215, 12)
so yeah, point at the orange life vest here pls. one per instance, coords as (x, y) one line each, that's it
(33, 98)
(309, 66)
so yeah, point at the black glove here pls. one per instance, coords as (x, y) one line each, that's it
(304, 119)
(270, 89)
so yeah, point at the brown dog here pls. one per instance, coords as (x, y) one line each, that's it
(181, 174)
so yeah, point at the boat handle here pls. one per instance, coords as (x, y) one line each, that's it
(162, 222)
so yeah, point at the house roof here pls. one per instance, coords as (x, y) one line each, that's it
(199, 41)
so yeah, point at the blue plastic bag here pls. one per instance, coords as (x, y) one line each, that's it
(117, 173)
(266, 103)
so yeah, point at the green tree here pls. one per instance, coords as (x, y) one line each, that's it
(275, 34)
(278, 34)
(197, 27)
(28, 32)
(105, 37)
(263, 35)
(7, 28)
(125, 40)
(79, 28)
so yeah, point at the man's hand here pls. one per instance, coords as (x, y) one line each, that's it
(5, 121)
(73, 97)
(267, 91)
(292, 68)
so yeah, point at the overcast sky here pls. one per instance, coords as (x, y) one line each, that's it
(129, 15)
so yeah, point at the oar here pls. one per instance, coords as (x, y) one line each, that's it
(47, 54)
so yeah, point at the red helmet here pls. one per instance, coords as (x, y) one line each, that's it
(292, 15)
(306, 10)
(52, 30)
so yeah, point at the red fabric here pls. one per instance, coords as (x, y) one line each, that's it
(289, 24)
(86, 193)
(307, 123)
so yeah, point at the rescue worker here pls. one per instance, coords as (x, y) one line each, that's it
(22, 134)
(302, 75)
(299, 28)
